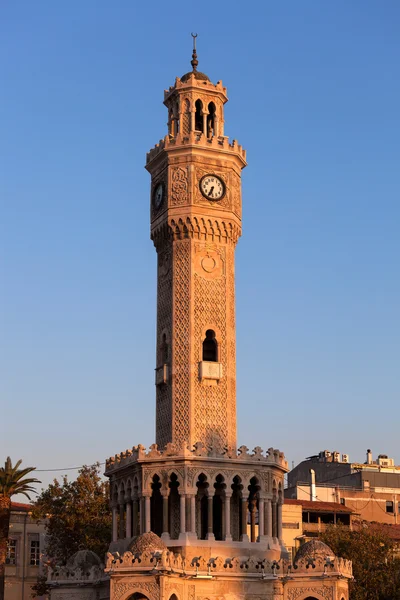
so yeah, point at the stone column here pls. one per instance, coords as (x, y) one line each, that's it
(244, 537)
(135, 514)
(260, 518)
(141, 515)
(121, 521)
(115, 523)
(128, 522)
(274, 517)
(205, 122)
(253, 510)
(228, 536)
(269, 517)
(210, 532)
(193, 515)
(165, 531)
(279, 520)
(182, 515)
(147, 522)
(192, 115)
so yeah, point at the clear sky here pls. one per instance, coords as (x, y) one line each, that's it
(314, 93)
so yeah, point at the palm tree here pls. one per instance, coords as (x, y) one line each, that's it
(11, 482)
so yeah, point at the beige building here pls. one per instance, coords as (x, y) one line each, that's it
(24, 553)
(196, 517)
(371, 489)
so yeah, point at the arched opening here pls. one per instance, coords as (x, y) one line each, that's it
(135, 509)
(210, 347)
(173, 597)
(138, 596)
(202, 507)
(211, 120)
(198, 117)
(173, 507)
(156, 506)
(253, 508)
(121, 515)
(218, 524)
(236, 513)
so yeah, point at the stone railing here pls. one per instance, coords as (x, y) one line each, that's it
(199, 139)
(65, 574)
(167, 561)
(138, 453)
(205, 84)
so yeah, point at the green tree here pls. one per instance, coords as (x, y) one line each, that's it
(12, 481)
(376, 571)
(78, 514)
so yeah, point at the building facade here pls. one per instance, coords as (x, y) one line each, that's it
(24, 553)
(370, 489)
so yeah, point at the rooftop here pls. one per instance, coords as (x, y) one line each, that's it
(319, 506)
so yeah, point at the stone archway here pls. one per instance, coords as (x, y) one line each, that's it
(133, 590)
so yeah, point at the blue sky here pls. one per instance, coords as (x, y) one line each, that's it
(314, 94)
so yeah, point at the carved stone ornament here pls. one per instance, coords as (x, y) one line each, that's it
(324, 591)
(209, 261)
(179, 186)
(149, 589)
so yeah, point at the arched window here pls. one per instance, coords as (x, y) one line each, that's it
(211, 120)
(198, 118)
(210, 347)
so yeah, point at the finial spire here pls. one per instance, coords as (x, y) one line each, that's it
(194, 62)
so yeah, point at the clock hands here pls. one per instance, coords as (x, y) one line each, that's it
(211, 191)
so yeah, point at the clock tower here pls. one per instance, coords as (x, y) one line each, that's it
(195, 215)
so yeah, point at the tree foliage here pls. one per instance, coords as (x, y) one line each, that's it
(376, 571)
(78, 515)
(13, 481)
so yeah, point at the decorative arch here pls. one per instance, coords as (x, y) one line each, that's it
(198, 116)
(179, 477)
(149, 480)
(136, 591)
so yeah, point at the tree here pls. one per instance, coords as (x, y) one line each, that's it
(12, 481)
(79, 515)
(376, 571)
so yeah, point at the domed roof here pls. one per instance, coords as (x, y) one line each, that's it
(313, 549)
(196, 74)
(147, 542)
(83, 559)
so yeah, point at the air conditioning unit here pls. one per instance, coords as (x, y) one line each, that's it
(345, 458)
(336, 456)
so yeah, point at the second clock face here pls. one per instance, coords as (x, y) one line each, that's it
(158, 195)
(212, 187)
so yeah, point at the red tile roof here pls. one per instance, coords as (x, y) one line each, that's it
(21, 506)
(318, 506)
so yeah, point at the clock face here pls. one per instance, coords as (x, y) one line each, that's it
(158, 195)
(212, 187)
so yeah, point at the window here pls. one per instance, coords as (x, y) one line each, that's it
(210, 347)
(389, 506)
(34, 553)
(11, 556)
(198, 118)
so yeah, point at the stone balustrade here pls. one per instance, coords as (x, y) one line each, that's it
(138, 453)
(220, 143)
(251, 566)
